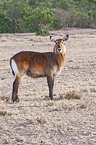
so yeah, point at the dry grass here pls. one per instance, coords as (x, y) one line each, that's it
(93, 90)
(6, 99)
(70, 117)
(42, 119)
(74, 95)
(5, 113)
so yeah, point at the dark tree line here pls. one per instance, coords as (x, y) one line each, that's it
(40, 16)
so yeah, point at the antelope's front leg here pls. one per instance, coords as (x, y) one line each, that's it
(15, 89)
(50, 81)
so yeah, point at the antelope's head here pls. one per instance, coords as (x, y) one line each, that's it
(59, 44)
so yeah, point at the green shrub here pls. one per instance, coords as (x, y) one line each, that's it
(40, 16)
(40, 21)
(5, 23)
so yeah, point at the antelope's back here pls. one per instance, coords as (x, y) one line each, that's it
(38, 63)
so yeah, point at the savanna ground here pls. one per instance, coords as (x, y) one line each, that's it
(36, 119)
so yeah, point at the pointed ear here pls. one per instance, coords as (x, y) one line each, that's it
(66, 38)
(53, 40)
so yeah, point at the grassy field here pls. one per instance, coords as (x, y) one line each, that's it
(70, 118)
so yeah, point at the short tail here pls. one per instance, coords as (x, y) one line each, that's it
(14, 68)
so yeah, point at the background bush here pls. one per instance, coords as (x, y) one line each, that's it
(40, 16)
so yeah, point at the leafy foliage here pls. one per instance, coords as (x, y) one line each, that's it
(40, 21)
(40, 16)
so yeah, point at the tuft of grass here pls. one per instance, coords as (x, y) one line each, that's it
(50, 104)
(5, 113)
(60, 97)
(71, 60)
(4, 40)
(6, 141)
(84, 90)
(68, 107)
(6, 99)
(31, 39)
(19, 139)
(84, 106)
(42, 119)
(46, 98)
(74, 95)
(93, 90)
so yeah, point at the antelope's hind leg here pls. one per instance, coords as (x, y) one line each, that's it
(15, 89)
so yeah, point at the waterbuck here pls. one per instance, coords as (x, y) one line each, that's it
(36, 64)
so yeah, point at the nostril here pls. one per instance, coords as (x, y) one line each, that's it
(59, 49)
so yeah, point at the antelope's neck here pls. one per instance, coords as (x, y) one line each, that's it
(61, 59)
